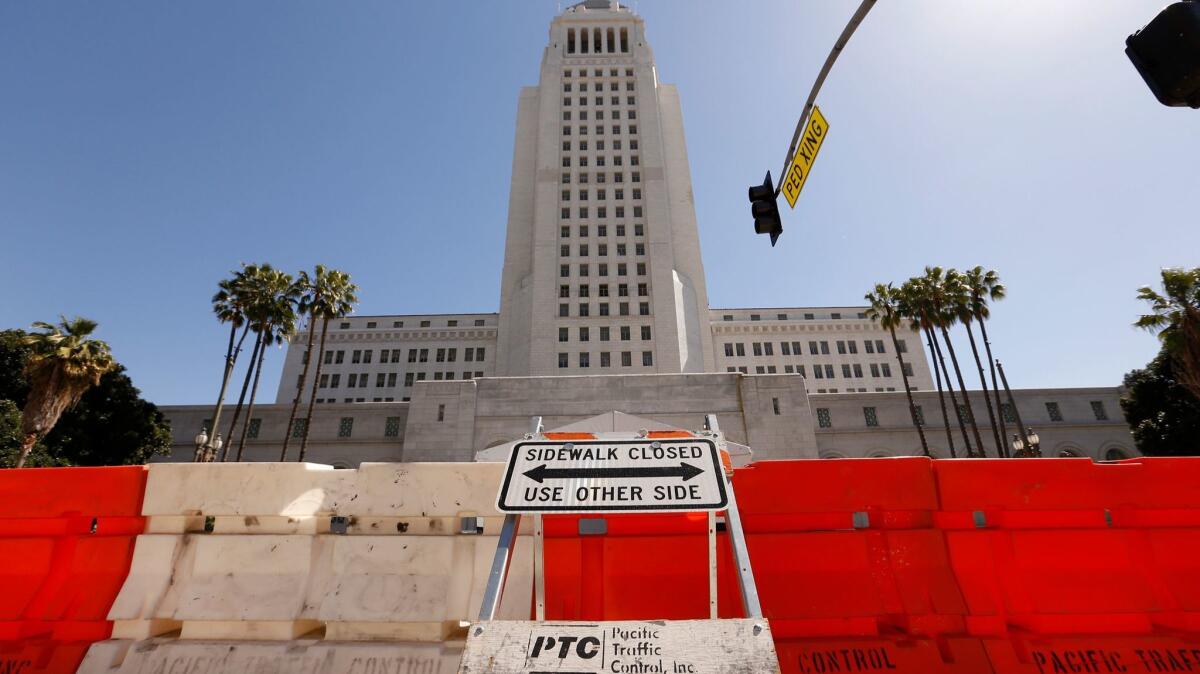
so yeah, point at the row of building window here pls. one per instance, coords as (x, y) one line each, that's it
(837, 316)
(597, 72)
(387, 379)
(602, 230)
(584, 359)
(564, 270)
(825, 371)
(597, 41)
(583, 178)
(601, 194)
(601, 212)
(643, 290)
(871, 417)
(564, 309)
(443, 355)
(815, 347)
(585, 334)
(600, 161)
(252, 431)
(582, 129)
(371, 325)
(599, 100)
(391, 426)
(599, 86)
(622, 249)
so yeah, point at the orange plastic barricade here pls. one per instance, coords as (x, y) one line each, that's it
(66, 538)
(1068, 546)
(628, 567)
(1110, 654)
(41, 656)
(896, 655)
(846, 548)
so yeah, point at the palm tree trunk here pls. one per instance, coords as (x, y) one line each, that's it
(26, 447)
(962, 387)
(937, 373)
(953, 400)
(250, 407)
(987, 345)
(912, 407)
(287, 433)
(987, 398)
(231, 354)
(237, 411)
(45, 404)
(312, 397)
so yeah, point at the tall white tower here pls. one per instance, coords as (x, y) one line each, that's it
(602, 270)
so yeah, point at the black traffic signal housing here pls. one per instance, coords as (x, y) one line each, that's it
(764, 207)
(1166, 52)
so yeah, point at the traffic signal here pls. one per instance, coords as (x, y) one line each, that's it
(765, 209)
(1166, 52)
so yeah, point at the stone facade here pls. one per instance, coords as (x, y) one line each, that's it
(773, 414)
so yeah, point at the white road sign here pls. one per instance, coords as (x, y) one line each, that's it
(739, 646)
(595, 476)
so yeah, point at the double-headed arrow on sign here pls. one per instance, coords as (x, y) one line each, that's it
(685, 471)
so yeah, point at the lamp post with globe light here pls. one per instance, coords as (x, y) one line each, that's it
(1033, 449)
(206, 452)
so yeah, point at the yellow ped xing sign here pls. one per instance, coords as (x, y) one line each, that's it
(806, 154)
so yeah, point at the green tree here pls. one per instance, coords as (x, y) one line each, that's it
(229, 305)
(326, 294)
(273, 318)
(1175, 316)
(13, 354)
(10, 441)
(259, 287)
(63, 364)
(948, 294)
(915, 306)
(982, 287)
(885, 308)
(110, 425)
(1164, 415)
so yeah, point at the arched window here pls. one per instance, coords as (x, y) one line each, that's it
(1115, 454)
(879, 454)
(832, 455)
(1069, 452)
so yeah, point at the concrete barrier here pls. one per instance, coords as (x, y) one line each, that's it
(307, 656)
(275, 553)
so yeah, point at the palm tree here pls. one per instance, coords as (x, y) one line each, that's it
(252, 289)
(63, 364)
(325, 295)
(913, 307)
(885, 308)
(274, 319)
(229, 306)
(339, 296)
(946, 294)
(983, 287)
(1176, 318)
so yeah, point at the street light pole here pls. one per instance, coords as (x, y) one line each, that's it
(838, 46)
(1013, 403)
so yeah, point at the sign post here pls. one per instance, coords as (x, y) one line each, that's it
(619, 475)
(806, 154)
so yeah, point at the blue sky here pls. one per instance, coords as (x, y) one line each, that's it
(148, 148)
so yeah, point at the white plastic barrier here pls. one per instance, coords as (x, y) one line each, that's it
(279, 552)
